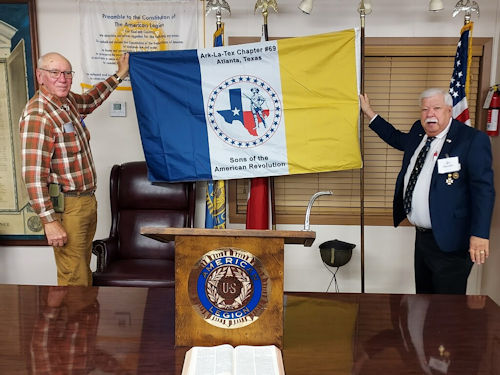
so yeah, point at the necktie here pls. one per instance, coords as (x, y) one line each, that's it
(419, 163)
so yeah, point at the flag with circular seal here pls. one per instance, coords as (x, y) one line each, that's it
(261, 109)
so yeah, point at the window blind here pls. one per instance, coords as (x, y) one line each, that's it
(394, 78)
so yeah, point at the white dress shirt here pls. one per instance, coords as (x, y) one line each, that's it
(420, 213)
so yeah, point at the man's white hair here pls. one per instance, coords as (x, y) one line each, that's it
(45, 59)
(433, 91)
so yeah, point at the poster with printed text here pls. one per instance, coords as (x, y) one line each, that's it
(111, 28)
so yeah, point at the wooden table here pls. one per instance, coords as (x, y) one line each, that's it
(131, 331)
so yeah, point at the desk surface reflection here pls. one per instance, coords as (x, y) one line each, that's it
(108, 330)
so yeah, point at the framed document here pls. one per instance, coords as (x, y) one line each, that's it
(19, 225)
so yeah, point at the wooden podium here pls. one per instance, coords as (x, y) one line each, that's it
(220, 261)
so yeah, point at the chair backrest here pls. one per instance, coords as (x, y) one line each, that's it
(136, 202)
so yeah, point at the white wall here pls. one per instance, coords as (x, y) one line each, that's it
(388, 251)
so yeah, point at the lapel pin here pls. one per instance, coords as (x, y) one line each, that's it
(449, 180)
(448, 140)
(455, 175)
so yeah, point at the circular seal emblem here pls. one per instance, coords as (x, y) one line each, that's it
(244, 111)
(229, 288)
(34, 224)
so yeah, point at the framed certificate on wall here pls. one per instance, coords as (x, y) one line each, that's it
(19, 224)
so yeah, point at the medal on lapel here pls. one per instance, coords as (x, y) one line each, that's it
(449, 180)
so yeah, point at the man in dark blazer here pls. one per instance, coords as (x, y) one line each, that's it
(451, 202)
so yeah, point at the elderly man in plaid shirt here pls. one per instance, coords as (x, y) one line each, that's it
(56, 152)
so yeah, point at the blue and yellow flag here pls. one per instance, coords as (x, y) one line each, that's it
(215, 215)
(262, 109)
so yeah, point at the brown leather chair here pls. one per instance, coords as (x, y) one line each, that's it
(128, 258)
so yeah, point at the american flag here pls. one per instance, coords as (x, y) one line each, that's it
(459, 84)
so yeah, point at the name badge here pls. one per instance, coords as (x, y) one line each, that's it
(68, 127)
(448, 165)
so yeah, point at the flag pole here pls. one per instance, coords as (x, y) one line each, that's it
(265, 32)
(218, 22)
(461, 72)
(215, 212)
(362, 13)
(271, 179)
(264, 5)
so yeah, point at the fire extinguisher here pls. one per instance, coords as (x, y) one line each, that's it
(493, 111)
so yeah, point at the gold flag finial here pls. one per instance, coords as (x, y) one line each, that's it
(264, 5)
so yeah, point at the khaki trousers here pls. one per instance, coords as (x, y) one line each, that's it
(73, 259)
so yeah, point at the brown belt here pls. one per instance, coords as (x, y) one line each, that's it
(87, 193)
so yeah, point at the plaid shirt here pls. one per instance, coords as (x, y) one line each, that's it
(64, 345)
(55, 144)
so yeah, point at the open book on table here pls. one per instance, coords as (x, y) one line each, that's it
(228, 360)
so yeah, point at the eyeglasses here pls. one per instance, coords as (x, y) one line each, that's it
(55, 74)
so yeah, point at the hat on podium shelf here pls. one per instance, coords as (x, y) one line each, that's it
(336, 253)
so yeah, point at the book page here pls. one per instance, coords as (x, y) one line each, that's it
(211, 360)
(257, 360)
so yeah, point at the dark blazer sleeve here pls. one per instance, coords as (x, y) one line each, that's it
(389, 134)
(479, 165)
